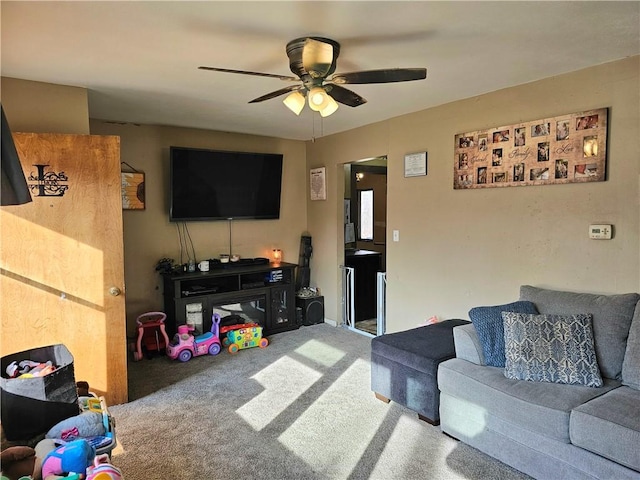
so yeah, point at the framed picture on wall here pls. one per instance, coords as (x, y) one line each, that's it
(133, 191)
(318, 183)
(415, 164)
(569, 148)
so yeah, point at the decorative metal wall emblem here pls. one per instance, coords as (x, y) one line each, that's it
(47, 184)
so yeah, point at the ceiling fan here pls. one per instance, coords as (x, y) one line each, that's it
(313, 60)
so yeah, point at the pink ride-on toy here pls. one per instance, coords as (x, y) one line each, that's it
(184, 345)
(151, 334)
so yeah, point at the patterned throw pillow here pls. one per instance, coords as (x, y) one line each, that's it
(488, 323)
(551, 348)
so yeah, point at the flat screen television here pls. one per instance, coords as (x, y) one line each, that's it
(221, 185)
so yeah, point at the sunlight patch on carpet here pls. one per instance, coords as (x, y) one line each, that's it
(320, 352)
(280, 391)
(325, 441)
(417, 443)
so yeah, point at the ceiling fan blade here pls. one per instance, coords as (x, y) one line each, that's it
(244, 72)
(317, 57)
(387, 75)
(344, 96)
(275, 94)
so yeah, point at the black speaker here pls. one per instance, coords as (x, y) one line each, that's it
(312, 310)
(303, 274)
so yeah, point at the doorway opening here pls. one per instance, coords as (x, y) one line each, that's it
(365, 223)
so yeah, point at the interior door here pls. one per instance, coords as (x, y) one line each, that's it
(62, 265)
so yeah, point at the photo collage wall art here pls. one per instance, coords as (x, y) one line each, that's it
(565, 149)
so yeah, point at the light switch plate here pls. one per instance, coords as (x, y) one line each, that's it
(600, 232)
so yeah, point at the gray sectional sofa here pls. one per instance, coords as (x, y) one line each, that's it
(521, 414)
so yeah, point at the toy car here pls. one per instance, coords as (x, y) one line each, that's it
(246, 338)
(184, 345)
(224, 331)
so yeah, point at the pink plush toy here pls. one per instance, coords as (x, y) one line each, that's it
(73, 457)
(103, 470)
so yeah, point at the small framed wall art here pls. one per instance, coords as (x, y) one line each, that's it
(132, 184)
(318, 183)
(566, 149)
(415, 164)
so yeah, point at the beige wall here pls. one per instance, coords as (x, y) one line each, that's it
(37, 107)
(148, 234)
(459, 249)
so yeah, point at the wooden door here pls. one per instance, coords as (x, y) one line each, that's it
(62, 265)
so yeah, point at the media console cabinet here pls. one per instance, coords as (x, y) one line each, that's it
(264, 294)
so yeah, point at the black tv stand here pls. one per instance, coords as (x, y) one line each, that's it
(215, 264)
(263, 293)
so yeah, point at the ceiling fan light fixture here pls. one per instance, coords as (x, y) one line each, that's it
(294, 102)
(331, 107)
(317, 57)
(312, 60)
(318, 99)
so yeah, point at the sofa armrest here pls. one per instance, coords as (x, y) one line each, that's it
(467, 343)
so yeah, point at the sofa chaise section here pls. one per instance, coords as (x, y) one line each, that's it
(404, 366)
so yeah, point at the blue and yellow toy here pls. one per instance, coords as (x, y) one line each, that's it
(245, 338)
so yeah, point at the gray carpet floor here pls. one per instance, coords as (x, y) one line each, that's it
(302, 408)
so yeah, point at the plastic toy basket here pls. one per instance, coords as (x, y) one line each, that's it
(107, 442)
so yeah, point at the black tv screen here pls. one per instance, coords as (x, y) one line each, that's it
(220, 185)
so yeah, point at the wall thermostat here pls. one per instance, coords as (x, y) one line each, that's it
(600, 232)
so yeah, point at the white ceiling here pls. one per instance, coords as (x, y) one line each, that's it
(139, 60)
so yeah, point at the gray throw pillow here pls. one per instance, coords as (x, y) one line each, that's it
(551, 348)
(631, 364)
(612, 316)
(488, 323)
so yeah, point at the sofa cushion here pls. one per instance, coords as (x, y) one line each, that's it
(488, 323)
(467, 344)
(610, 426)
(612, 316)
(550, 348)
(631, 364)
(421, 348)
(539, 407)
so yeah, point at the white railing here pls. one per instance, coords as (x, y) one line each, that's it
(349, 305)
(381, 297)
(348, 290)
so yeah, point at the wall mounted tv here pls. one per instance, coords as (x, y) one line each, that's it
(220, 185)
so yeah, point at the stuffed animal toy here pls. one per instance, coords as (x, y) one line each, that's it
(87, 424)
(43, 448)
(103, 470)
(29, 368)
(71, 458)
(18, 462)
